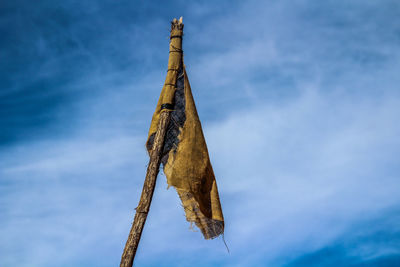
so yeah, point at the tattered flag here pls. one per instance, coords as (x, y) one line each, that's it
(185, 156)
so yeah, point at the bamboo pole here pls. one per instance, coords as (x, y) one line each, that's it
(174, 61)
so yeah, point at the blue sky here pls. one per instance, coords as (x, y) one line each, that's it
(300, 106)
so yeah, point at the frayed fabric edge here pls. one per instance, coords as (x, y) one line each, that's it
(210, 228)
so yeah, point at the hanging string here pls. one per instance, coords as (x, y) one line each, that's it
(223, 239)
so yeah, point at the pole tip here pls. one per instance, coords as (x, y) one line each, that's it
(180, 21)
(177, 24)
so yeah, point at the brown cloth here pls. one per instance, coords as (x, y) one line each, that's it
(185, 156)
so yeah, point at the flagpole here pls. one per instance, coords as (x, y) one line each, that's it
(143, 207)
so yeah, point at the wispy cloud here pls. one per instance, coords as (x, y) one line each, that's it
(301, 174)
